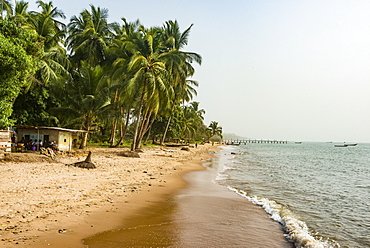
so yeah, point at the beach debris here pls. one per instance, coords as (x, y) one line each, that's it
(129, 154)
(8, 158)
(62, 230)
(87, 164)
(48, 152)
(10, 227)
(236, 153)
(185, 148)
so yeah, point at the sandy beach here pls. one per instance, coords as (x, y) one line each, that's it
(44, 203)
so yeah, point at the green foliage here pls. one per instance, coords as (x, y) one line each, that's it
(19, 49)
(118, 81)
(214, 129)
(32, 107)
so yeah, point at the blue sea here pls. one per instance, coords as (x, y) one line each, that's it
(319, 193)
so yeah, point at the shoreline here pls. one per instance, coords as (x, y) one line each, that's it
(59, 206)
(202, 214)
(52, 205)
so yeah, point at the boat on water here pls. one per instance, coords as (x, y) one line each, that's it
(345, 144)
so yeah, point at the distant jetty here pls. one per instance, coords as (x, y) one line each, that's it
(245, 141)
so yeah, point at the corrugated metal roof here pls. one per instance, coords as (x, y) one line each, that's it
(52, 128)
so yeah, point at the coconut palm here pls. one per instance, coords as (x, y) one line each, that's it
(46, 24)
(20, 13)
(118, 54)
(89, 35)
(149, 80)
(54, 63)
(198, 112)
(86, 97)
(5, 6)
(189, 123)
(214, 129)
(180, 68)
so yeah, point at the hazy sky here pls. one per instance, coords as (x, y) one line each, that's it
(290, 69)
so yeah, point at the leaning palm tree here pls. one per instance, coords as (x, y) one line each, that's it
(180, 68)
(118, 55)
(149, 76)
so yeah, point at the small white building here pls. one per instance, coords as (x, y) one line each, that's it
(65, 138)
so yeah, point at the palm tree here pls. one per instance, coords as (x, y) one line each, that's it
(46, 24)
(89, 35)
(5, 6)
(20, 14)
(190, 122)
(118, 54)
(180, 68)
(86, 97)
(54, 63)
(148, 75)
(214, 129)
(199, 112)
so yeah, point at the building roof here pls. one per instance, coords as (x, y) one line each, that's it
(52, 128)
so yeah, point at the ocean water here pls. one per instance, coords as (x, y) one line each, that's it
(318, 192)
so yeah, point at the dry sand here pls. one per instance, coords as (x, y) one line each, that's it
(44, 203)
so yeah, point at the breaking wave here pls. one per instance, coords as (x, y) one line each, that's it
(296, 230)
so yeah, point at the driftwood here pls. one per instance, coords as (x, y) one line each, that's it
(87, 164)
(176, 144)
(129, 154)
(48, 152)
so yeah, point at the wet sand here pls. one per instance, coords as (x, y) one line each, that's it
(202, 214)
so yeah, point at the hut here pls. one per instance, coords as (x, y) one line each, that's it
(64, 138)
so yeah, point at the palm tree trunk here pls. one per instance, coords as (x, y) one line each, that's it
(114, 124)
(113, 132)
(165, 130)
(143, 123)
(148, 129)
(148, 135)
(167, 125)
(84, 136)
(144, 128)
(87, 125)
(84, 140)
(135, 138)
(123, 134)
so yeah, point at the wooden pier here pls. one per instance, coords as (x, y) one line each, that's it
(256, 141)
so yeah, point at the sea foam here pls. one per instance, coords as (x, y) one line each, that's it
(296, 230)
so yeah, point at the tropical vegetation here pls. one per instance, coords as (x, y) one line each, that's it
(120, 81)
